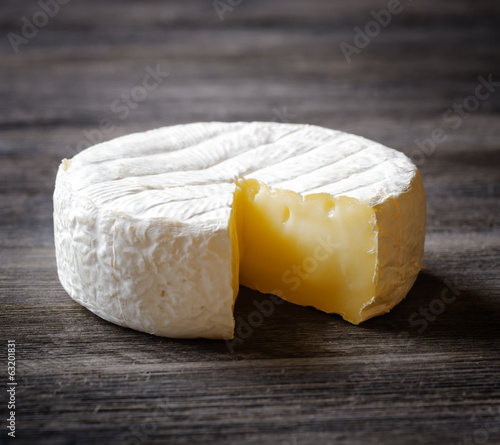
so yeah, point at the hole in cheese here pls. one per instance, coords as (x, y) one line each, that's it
(286, 214)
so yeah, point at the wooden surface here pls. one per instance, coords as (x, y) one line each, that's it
(302, 377)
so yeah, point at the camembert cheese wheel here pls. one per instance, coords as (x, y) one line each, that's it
(156, 231)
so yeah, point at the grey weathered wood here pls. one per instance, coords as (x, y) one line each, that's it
(303, 377)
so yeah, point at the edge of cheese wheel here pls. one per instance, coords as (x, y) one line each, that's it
(159, 276)
(396, 275)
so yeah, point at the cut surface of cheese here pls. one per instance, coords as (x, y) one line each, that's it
(156, 230)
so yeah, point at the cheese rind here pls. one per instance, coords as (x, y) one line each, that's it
(152, 230)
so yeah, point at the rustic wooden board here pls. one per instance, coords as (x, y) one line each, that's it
(301, 377)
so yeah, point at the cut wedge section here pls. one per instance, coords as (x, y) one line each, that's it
(319, 250)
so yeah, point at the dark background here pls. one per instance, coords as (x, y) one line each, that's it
(428, 372)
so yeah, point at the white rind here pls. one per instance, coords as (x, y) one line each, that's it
(155, 275)
(401, 223)
(142, 222)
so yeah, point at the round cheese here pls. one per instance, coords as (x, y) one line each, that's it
(156, 230)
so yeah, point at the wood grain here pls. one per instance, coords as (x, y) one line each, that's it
(302, 377)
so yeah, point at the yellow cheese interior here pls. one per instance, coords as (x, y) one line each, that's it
(315, 251)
